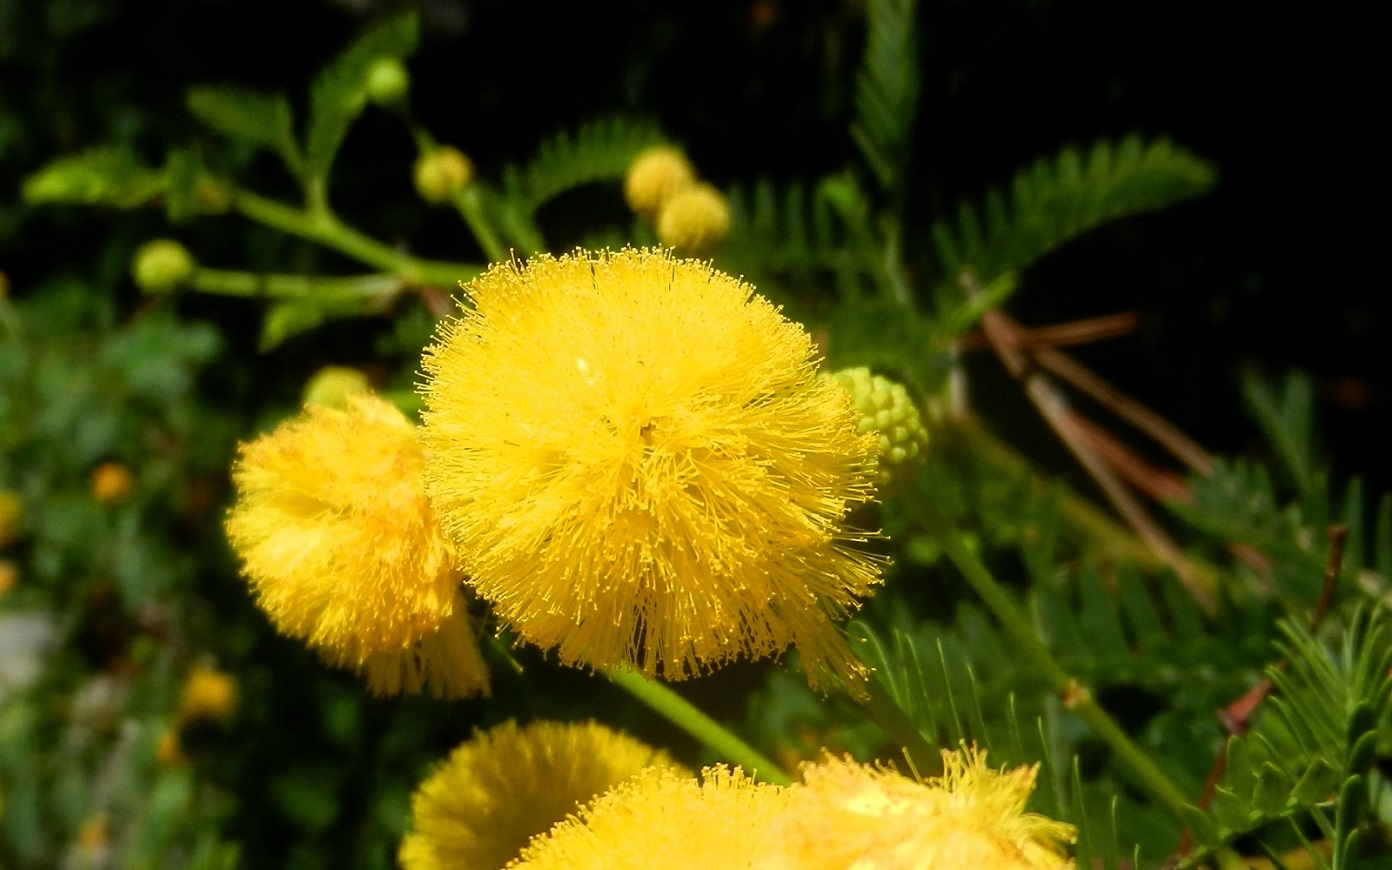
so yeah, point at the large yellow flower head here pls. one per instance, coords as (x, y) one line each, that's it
(661, 819)
(640, 466)
(509, 784)
(343, 549)
(846, 814)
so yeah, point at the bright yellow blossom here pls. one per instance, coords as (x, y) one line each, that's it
(640, 466)
(661, 819)
(654, 176)
(846, 814)
(112, 483)
(343, 549)
(509, 784)
(695, 220)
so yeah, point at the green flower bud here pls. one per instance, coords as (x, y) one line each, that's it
(332, 385)
(162, 265)
(387, 81)
(441, 172)
(887, 409)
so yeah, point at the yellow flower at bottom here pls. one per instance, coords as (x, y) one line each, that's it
(640, 465)
(661, 820)
(509, 784)
(849, 815)
(344, 551)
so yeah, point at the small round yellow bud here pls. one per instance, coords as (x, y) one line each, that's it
(161, 266)
(112, 483)
(11, 517)
(441, 172)
(9, 576)
(332, 385)
(695, 220)
(886, 408)
(387, 81)
(654, 177)
(208, 694)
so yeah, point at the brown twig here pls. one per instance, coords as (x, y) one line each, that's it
(1237, 716)
(1062, 334)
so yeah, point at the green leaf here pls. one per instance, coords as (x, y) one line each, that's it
(1273, 788)
(293, 316)
(100, 176)
(257, 117)
(887, 91)
(1288, 422)
(1059, 198)
(1316, 784)
(339, 93)
(600, 149)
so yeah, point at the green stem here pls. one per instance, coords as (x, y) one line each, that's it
(227, 283)
(1075, 697)
(470, 206)
(681, 713)
(322, 227)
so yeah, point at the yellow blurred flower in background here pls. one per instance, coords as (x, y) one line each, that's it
(344, 551)
(640, 466)
(695, 220)
(846, 814)
(661, 819)
(112, 483)
(654, 176)
(509, 784)
(208, 694)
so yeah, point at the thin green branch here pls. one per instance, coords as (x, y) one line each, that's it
(228, 283)
(1075, 697)
(326, 229)
(681, 713)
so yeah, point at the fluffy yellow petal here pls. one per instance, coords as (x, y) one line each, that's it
(509, 784)
(343, 549)
(661, 820)
(849, 815)
(639, 465)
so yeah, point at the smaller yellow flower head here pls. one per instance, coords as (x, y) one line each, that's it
(509, 784)
(654, 177)
(695, 220)
(661, 819)
(439, 173)
(112, 483)
(208, 694)
(343, 550)
(846, 814)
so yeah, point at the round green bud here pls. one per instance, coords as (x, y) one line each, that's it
(332, 385)
(162, 265)
(439, 173)
(387, 81)
(886, 409)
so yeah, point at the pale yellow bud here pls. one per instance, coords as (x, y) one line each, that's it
(112, 483)
(441, 172)
(695, 220)
(654, 177)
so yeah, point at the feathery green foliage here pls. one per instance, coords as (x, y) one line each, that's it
(598, 150)
(886, 97)
(1061, 197)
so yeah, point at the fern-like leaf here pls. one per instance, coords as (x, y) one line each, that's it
(100, 176)
(1059, 198)
(887, 90)
(598, 150)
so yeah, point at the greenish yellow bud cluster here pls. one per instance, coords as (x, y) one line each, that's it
(887, 409)
(439, 173)
(661, 187)
(387, 81)
(332, 385)
(162, 265)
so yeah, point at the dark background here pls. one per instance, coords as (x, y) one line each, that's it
(1272, 271)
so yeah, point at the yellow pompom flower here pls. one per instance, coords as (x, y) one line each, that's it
(662, 819)
(509, 784)
(112, 483)
(654, 176)
(344, 551)
(208, 694)
(845, 814)
(695, 220)
(640, 465)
